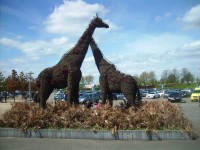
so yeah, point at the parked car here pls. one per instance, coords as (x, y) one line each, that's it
(166, 94)
(115, 96)
(175, 97)
(161, 93)
(89, 97)
(137, 100)
(153, 94)
(59, 96)
(1, 97)
(186, 93)
(144, 93)
(195, 94)
(119, 96)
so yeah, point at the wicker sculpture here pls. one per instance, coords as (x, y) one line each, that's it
(67, 73)
(112, 80)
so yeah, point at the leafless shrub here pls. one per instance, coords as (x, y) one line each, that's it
(154, 115)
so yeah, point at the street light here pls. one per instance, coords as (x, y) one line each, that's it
(199, 95)
(30, 77)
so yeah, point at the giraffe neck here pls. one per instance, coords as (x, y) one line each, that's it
(87, 35)
(76, 55)
(102, 64)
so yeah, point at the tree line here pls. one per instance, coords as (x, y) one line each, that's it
(20, 81)
(16, 82)
(175, 76)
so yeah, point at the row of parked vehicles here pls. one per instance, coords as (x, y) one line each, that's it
(173, 94)
(170, 94)
(151, 93)
(87, 96)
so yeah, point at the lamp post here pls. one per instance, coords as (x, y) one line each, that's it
(198, 93)
(30, 77)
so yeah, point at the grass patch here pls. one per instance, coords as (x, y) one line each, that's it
(180, 86)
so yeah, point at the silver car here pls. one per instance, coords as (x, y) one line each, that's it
(153, 94)
(89, 97)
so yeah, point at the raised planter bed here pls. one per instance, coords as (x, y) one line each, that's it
(98, 135)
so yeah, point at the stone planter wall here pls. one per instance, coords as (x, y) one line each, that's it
(98, 135)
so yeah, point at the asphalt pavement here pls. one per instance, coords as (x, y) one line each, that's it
(190, 109)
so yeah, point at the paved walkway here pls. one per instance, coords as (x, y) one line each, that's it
(191, 110)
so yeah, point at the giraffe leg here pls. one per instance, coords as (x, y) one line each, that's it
(129, 94)
(70, 88)
(77, 81)
(110, 99)
(74, 77)
(104, 89)
(43, 95)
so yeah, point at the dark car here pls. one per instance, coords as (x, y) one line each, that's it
(1, 96)
(186, 93)
(115, 96)
(175, 97)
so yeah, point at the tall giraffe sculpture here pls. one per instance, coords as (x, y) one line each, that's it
(112, 80)
(67, 73)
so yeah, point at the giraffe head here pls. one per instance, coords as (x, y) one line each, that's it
(99, 23)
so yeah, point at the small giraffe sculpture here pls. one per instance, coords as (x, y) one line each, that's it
(67, 73)
(111, 80)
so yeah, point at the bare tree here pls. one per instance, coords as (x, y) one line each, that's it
(170, 76)
(12, 83)
(137, 78)
(2, 82)
(186, 76)
(164, 76)
(148, 78)
(23, 81)
(152, 78)
(176, 75)
(144, 78)
(88, 79)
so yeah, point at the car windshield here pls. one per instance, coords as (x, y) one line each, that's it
(174, 94)
(86, 96)
(83, 95)
(196, 91)
(152, 92)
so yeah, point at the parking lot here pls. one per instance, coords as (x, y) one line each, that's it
(190, 109)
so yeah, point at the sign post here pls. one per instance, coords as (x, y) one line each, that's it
(30, 77)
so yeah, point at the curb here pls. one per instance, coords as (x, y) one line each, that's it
(98, 135)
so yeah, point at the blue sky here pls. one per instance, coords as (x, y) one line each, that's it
(144, 35)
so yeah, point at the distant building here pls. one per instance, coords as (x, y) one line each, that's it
(89, 86)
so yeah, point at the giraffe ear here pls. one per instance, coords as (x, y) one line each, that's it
(97, 15)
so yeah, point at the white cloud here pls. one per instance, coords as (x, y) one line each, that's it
(62, 40)
(162, 17)
(72, 17)
(9, 42)
(35, 49)
(192, 46)
(168, 14)
(189, 51)
(192, 18)
(158, 18)
(18, 61)
(89, 68)
(156, 52)
(156, 44)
